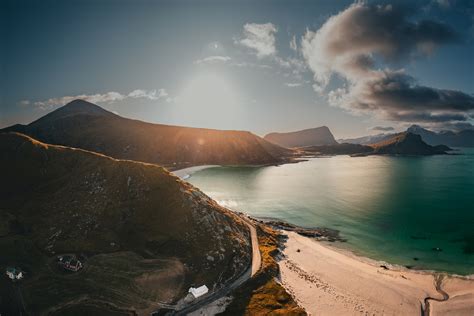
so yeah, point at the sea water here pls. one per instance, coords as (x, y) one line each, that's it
(411, 211)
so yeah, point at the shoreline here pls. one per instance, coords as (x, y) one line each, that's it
(329, 236)
(186, 173)
(326, 280)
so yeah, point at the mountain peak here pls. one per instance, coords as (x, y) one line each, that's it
(80, 106)
(75, 107)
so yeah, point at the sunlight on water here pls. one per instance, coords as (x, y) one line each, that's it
(389, 208)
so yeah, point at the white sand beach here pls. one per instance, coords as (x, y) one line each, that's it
(187, 172)
(329, 281)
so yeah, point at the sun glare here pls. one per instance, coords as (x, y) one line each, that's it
(210, 91)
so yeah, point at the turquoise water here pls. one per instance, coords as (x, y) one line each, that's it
(389, 208)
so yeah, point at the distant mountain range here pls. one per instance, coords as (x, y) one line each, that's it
(463, 138)
(85, 125)
(405, 143)
(309, 137)
(367, 140)
(321, 141)
(143, 235)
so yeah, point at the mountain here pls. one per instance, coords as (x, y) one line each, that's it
(143, 235)
(407, 143)
(85, 125)
(463, 138)
(366, 140)
(309, 137)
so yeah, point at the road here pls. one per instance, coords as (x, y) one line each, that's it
(247, 274)
(256, 256)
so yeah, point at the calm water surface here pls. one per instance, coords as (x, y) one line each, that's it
(389, 208)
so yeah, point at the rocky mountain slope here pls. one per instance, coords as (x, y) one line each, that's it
(144, 235)
(463, 138)
(309, 137)
(85, 125)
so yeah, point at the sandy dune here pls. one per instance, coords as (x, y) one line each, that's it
(328, 281)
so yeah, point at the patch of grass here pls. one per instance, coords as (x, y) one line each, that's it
(263, 295)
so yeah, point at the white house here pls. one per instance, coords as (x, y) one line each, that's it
(14, 274)
(200, 291)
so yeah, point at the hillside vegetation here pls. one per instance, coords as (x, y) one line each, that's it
(85, 125)
(144, 235)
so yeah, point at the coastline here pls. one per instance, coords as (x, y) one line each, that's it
(326, 280)
(185, 173)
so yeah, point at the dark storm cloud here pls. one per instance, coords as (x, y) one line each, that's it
(397, 93)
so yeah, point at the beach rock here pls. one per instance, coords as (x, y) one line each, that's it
(319, 233)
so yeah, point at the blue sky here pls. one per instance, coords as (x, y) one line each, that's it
(234, 64)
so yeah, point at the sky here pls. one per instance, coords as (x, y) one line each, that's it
(360, 68)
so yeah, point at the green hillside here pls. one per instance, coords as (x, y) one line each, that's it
(144, 235)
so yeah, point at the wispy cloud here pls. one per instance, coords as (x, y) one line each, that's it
(292, 84)
(213, 60)
(104, 98)
(391, 34)
(260, 38)
(24, 103)
(293, 44)
(148, 94)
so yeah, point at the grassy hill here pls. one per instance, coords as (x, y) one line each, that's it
(144, 235)
(85, 125)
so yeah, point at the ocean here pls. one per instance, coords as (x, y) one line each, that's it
(411, 211)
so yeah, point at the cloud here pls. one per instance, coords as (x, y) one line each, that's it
(260, 38)
(347, 42)
(292, 84)
(108, 97)
(382, 128)
(150, 94)
(350, 43)
(293, 44)
(396, 96)
(213, 60)
(24, 103)
(250, 65)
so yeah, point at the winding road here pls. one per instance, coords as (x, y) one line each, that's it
(246, 275)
